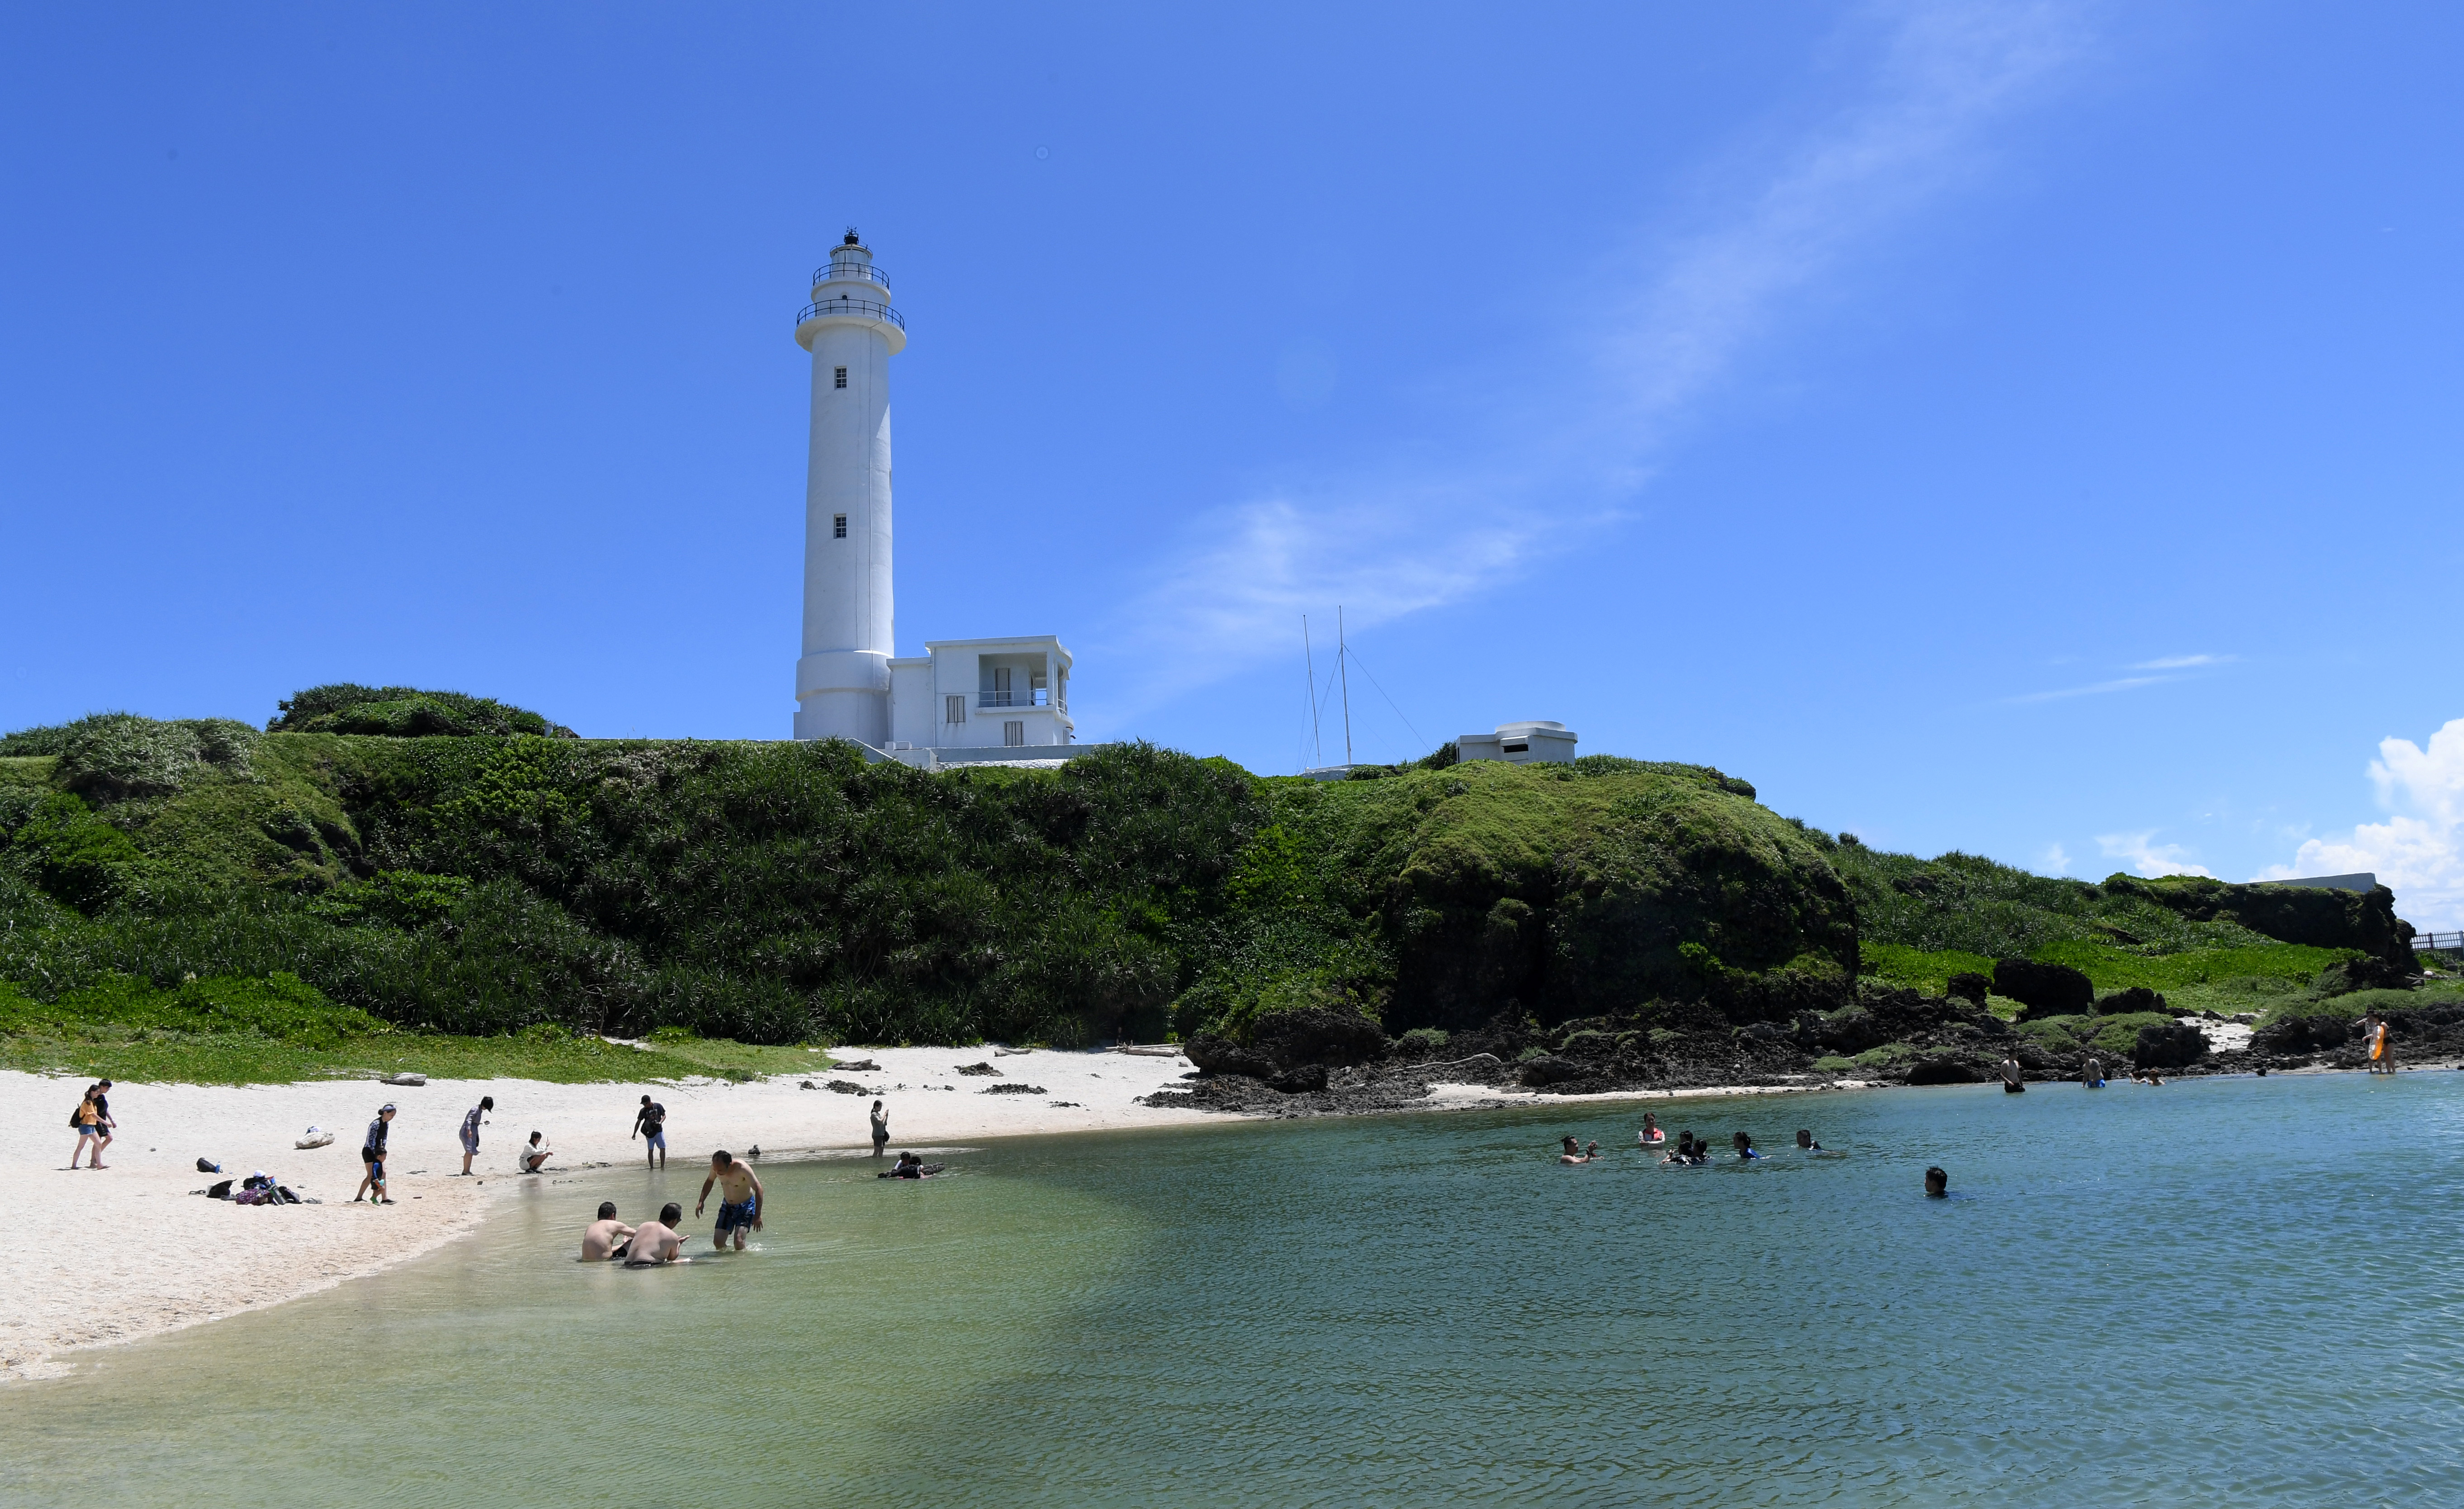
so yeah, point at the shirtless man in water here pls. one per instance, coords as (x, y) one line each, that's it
(606, 1236)
(656, 1242)
(740, 1198)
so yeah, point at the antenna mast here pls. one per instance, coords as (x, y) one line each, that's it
(1342, 655)
(1309, 662)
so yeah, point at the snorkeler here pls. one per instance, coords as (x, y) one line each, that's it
(1651, 1136)
(1745, 1147)
(1805, 1143)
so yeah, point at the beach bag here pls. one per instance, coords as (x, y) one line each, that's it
(207, 1167)
(220, 1191)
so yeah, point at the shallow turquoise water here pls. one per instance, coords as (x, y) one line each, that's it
(2239, 1291)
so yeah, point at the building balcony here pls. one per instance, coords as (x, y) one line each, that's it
(859, 272)
(1036, 698)
(854, 308)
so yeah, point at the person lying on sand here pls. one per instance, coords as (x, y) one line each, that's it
(656, 1242)
(1745, 1147)
(529, 1159)
(1572, 1155)
(1651, 1136)
(740, 1198)
(606, 1236)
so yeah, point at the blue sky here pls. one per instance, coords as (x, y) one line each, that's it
(2027, 430)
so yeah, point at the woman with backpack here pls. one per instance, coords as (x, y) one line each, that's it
(88, 1122)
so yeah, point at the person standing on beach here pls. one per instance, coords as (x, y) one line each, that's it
(103, 1124)
(740, 1198)
(880, 1129)
(471, 1132)
(650, 1124)
(372, 1153)
(84, 1118)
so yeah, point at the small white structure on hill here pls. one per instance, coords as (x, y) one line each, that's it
(963, 698)
(1520, 743)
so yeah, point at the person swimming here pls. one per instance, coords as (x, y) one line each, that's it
(1937, 1185)
(1745, 1147)
(1684, 1152)
(1572, 1155)
(1805, 1143)
(1651, 1136)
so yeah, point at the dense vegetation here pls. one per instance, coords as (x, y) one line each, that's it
(370, 858)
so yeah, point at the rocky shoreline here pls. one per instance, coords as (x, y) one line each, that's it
(1333, 1063)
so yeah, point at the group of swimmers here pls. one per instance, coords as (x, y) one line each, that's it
(1690, 1150)
(652, 1243)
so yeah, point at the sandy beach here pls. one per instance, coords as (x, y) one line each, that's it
(129, 1252)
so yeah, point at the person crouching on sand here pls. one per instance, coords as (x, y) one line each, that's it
(606, 1236)
(530, 1159)
(740, 1198)
(656, 1242)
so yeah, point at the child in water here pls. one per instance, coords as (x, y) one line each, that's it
(1805, 1143)
(1745, 1147)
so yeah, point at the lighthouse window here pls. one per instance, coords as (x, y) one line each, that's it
(838, 377)
(838, 526)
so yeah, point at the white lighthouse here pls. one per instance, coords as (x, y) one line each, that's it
(963, 702)
(842, 680)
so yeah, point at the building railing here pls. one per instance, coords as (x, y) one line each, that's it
(1022, 697)
(863, 271)
(855, 307)
(2425, 941)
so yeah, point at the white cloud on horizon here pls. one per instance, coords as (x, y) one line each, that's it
(2418, 852)
(1401, 539)
(2150, 857)
(2122, 684)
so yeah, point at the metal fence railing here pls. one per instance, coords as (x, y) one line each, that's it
(2424, 943)
(1022, 697)
(863, 271)
(856, 307)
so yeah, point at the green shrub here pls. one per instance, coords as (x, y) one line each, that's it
(76, 856)
(119, 756)
(1429, 1038)
(404, 712)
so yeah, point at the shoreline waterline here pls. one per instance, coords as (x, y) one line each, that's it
(167, 1260)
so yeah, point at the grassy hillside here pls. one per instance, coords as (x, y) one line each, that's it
(475, 886)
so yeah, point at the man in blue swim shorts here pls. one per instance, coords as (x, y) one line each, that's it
(739, 1199)
(650, 1124)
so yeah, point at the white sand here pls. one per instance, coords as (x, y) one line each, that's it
(127, 1251)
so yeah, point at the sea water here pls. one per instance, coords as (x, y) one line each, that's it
(2221, 1291)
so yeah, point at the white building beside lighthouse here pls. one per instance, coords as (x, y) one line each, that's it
(962, 699)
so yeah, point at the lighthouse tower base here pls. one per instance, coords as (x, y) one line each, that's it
(844, 694)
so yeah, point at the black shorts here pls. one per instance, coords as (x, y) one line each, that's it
(372, 1158)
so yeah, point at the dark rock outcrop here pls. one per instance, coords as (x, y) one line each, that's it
(2174, 1047)
(2363, 919)
(2133, 998)
(1970, 987)
(1548, 1070)
(2348, 975)
(1946, 1069)
(2044, 989)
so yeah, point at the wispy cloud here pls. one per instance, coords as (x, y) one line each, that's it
(1395, 539)
(2055, 860)
(2148, 856)
(2181, 662)
(2095, 689)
